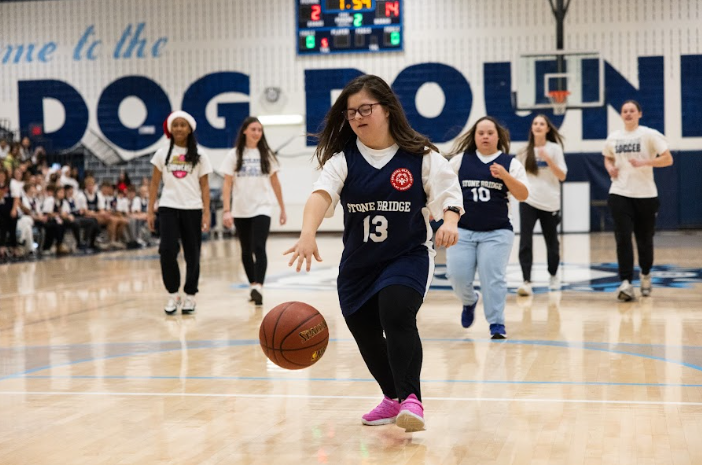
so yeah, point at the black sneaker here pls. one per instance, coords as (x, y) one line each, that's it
(256, 297)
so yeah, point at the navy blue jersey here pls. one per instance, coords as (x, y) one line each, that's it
(92, 203)
(385, 231)
(73, 207)
(485, 198)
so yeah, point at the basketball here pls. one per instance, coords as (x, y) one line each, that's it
(293, 335)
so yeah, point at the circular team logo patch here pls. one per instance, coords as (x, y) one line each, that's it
(401, 179)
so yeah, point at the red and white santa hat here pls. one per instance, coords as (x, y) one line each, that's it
(178, 114)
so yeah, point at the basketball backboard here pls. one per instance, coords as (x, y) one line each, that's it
(579, 75)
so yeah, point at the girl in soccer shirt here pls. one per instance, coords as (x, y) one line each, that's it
(389, 180)
(546, 169)
(488, 174)
(184, 207)
(630, 154)
(250, 185)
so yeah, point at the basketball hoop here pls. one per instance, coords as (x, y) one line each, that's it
(559, 101)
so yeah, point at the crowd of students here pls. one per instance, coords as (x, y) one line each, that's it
(43, 207)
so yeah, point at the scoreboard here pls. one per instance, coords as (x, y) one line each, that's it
(343, 26)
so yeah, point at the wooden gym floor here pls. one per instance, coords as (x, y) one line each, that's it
(93, 372)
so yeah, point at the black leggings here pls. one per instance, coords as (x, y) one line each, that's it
(394, 358)
(637, 216)
(8, 230)
(253, 234)
(180, 226)
(528, 216)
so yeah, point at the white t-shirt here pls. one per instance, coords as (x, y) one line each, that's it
(136, 205)
(181, 180)
(47, 207)
(122, 205)
(252, 192)
(16, 188)
(438, 179)
(642, 143)
(544, 187)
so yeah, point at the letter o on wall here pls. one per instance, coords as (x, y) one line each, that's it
(158, 107)
(459, 99)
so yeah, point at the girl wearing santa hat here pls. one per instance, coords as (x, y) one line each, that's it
(184, 207)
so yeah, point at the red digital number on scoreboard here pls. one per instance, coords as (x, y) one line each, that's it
(316, 12)
(392, 9)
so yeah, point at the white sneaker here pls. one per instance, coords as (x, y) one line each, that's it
(524, 289)
(646, 285)
(188, 305)
(172, 304)
(625, 292)
(554, 283)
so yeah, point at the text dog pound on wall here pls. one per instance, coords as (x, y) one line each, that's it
(319, 83)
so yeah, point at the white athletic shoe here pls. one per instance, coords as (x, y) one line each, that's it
(554, 283)
(646, 285)
(625, 293)
(524, 289)
(189, 305)
(172, 304)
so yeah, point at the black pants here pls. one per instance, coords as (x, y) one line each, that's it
(54, 233)
(636, 216)
(395, 358)
(528, 216)
(8, 230)
(88, 225)
(253, 234)
(180, 226)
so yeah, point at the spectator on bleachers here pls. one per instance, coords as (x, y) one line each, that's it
(4, 148)
(53, 226)
(26, 150)
(31, 217)
(66, 179)
(123, 182)
(118, 224)
(8, 217)
(12, 158)
(74, 217)
(137, 212)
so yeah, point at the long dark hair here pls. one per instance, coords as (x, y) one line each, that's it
(263, 148)
(337, 133)
(192, 155)
(466, 143)
(528, 156)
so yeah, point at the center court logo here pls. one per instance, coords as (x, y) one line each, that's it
(596, 277)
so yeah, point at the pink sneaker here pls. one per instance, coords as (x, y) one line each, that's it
(383, 414)
(411, 416)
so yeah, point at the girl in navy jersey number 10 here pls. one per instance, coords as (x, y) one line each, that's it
(184, 207)
(389, 180)
(488, 174)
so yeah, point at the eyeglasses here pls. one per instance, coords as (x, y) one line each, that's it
(364, 110)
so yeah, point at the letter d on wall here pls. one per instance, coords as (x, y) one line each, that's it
(31, 95)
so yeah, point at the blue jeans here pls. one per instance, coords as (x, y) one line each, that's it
(488, 252)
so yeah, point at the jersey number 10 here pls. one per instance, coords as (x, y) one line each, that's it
(481, 194)
(380, 226)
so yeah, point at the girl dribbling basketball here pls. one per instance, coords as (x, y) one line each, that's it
(388, 179)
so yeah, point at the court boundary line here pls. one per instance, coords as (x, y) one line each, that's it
(314, 397)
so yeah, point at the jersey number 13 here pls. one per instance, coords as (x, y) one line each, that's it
(380, 228)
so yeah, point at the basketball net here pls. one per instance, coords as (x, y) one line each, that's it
(559, 101)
